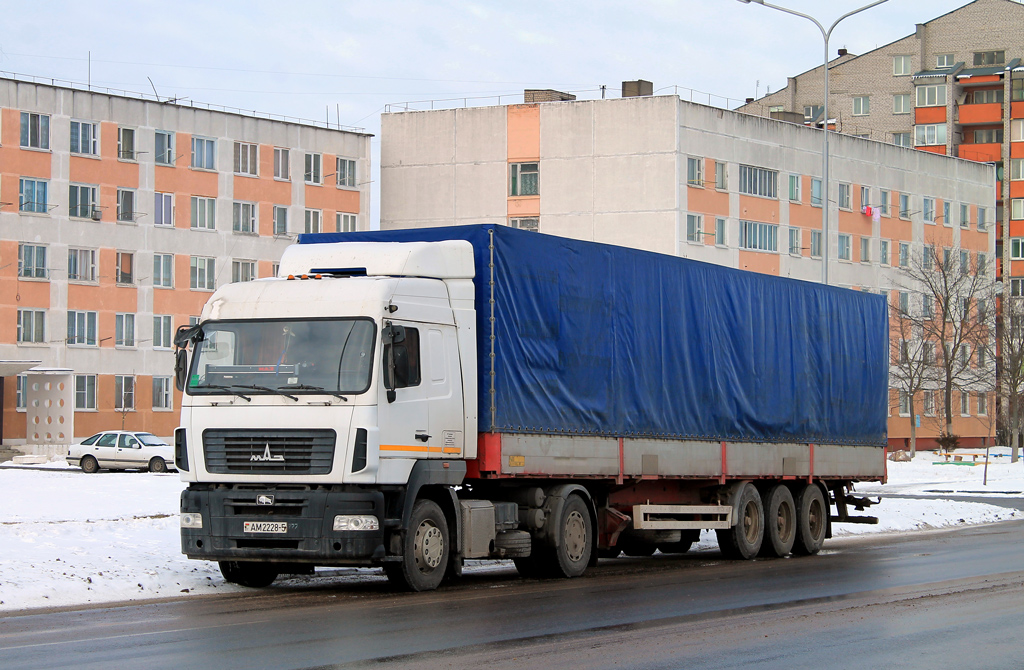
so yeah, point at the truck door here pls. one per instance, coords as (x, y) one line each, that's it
(404, 424)
(443, 381)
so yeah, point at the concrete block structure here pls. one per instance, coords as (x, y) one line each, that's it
(119, 217)
(665, 175)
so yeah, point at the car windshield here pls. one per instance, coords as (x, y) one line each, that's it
(150, 440)
(291, 356)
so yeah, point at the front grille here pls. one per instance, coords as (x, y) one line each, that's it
(258, 452)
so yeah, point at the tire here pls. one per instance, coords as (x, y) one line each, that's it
(89, 464)
(512, 543)
(425, 550)
(779, 521)
(744, 539)
(811, 521)
(157, 464)
(683, 545)
(246, 573)
(575, 539)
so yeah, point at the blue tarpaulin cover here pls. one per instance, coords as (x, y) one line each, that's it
(594, 339)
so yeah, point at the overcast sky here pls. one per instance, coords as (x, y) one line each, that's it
(349, 60)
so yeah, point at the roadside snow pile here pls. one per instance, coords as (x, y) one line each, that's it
(68, 538)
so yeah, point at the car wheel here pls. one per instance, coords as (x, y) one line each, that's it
(89, 464)
(157, 464)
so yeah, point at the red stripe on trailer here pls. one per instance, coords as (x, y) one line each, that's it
(810, 471)
(725, 469)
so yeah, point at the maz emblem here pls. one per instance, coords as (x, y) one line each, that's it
(264, 499)
(267, 456)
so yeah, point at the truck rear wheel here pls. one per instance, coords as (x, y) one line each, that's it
(575, 544)
(779, 521)
(744, 539)
(247, 573)
(425, 549)
(811, 520)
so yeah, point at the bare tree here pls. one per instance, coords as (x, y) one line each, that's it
(912, 367)
(1011, 367)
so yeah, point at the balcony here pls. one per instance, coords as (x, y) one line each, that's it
(1017, 110)
(924, 115)
(982, 153)
(990, 112)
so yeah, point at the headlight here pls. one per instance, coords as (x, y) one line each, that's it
(356, 522)
(191, 520)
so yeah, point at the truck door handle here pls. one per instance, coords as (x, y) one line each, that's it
(422, 437)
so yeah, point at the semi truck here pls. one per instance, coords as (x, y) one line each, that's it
(412, 399)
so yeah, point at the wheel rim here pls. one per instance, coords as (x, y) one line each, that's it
(785, 522)
(575, 536)
(751, 524)
(815, 520)
(428, 547)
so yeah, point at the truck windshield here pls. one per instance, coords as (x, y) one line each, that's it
(294, 356)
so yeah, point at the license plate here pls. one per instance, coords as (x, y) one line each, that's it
(265, 527)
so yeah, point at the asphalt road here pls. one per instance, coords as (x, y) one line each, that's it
(920, 600)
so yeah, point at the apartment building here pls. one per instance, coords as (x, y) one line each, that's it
(955, 87)
(669, 176)
(119, 217)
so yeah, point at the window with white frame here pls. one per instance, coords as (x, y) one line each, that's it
(816, 192)
(815, 244)
(794, 241)
(82, 265)
(126, 144)
(982, 263)
(931, 96)
(757, 236)
(1017, 130)
(124, 392)
(246, 159)
(844, 196)
(1017, 208)
(531, 223)
(884, 198)
(694, 171)
(928, 209)
(82, 201)
(965, 215)
(32, 261)
(282, 164)
(243, 271)
(932, 134)
(35, 131)
(82, 328)
(865, 250)
(1017, 168)
(947, 213)
(844, 247)
(986, 96)
(243, 217)
(163, 209)
(904, 403)
(883, 252)
(989, 58)
(84, 138)
(758, 181)
(204, 153)
(904, 205)
(162, 398)
(345, 223)
(204, 213)
(982, 350)
(163, 270)
(965, 403)
(865, 196)
(125, 205)
(280, 220)
(904, 255)
(861, 105)
(901, 103)
(904, 303)
(694, 228)
(902, 140)
(965, 261)
(982, 218)
(524, 179)
(32, 195)
(124, 269)
(988, 136)
(202, 273)
(721, 176)
(314, 169)
(812, 112)
(162, 331)
(1016, 287)
(164, 154)
(275, 269)
(124, 330)
(943, 61)
(720, 228)
(85, 392)
(982, 404)
(901, 66)
(31, 326)
(346, 172)
(927, 306)
(314, 221)
(928, 402)
(794, 188)
(928, 257)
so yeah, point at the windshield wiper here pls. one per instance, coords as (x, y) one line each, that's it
(309, 387)
(256, 387)
(229, 389)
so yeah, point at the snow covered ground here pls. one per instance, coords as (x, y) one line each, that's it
(68, 538)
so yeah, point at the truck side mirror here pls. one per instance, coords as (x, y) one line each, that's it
(180, 368)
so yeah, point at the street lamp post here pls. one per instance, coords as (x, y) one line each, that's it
(825, 34)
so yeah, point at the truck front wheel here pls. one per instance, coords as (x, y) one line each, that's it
(424, 550)
(246, 573)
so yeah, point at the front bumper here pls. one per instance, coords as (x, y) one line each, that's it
(310, 537)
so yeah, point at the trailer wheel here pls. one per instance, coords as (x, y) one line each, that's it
(425, 549)
(744, 539)
(812, 520)
(245, 573)
(779, 521)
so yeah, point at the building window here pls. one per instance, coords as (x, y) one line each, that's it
(982, 354)
(1017, 130)
(243, 271)
(162, 331)
(694, 226)
(346, 223)
(32, 325)
(124, 330)
(901, 103)
(203, 153)
(244, 217)
(982, 218)
(928, 258)
(794, 241)
(83, 138)
(982, 263)
(35, 131)
(986, 97)
(928, 402)
(901, 66)
(904, 206)
(720, 228)
(758, 181)
(1016, 248)
(275, 269)
(204, 213)
(201, 273)
(965, 215)
(844, 196)
(314, 221)
(1016, 287)
(32, 261)
(883, 202)
(82, 328)
(32, 195)
(865, 250)
(927, 307)
(988, 136)
(695, 171)
(85, 392)
(82, 202)
(861, 105)
(1017, 90)
(721, 176)
(124, 271)
(531, 223)
(932, 134)
(865, 196)
(164, 154)
(280, 220)
(902, 140)
(82, 265)
(794, 188)
(883, 252)
(982, 404)
(816, 192)
(904, 255)
(965, 261)
(163, 209)
(758, 236)
(844, 247)
(812, 112)
(931, 96)
(815, 244)
(346, 172)
(943, 61)
(162, 393)
(124, 393)
(989, 57)
(904, 305)
(281, 164)
(947, 213)
(126, 144)
(314, 169)
(246, 158)
(524, 179)
(125, 205)
(928, 211)
(163, 270)
(904, 403)
(1017, 167)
